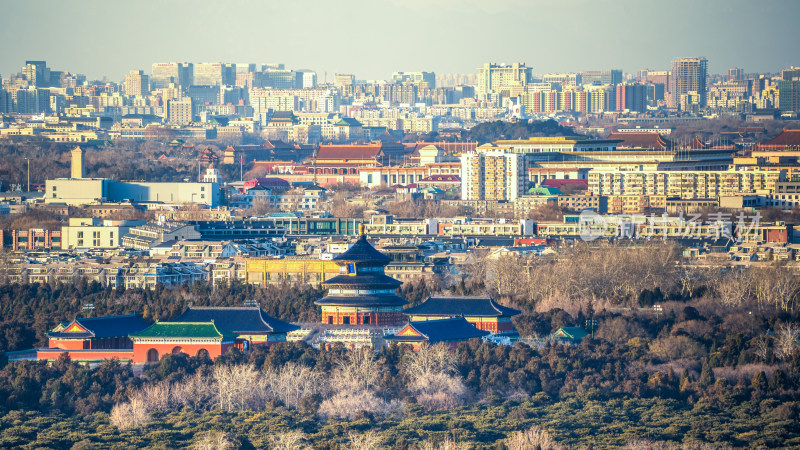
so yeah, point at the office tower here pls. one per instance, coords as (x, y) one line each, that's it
(735, 74)
(631, 97)
(179, 112)
(202, 95)
(601, 77)
(494, 78)
(789, 90)
(282, 79)
(214, 74)
(137, 83)
(415, 77)
(6, 105)
(180, 74)
(309, 79)
(244, 67)
(37, 73)
(688, 82)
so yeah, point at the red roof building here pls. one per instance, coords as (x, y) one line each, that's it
(787, 140)
(643, 140)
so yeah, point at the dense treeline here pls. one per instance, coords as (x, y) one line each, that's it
(28, 311)
(718, 362)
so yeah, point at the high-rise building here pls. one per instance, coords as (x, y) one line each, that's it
(309, 79)
(37, 73)
(688, 82)
(789, 90)
(33, 100)
(631, 97)
(601, 77)
(179, 73)
(137, 84)
(493, 175)
(179, 112)
(495, 78)
(735, 74)
(214, 74)
(344, 79)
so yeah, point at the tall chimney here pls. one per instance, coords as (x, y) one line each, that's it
(77, 163)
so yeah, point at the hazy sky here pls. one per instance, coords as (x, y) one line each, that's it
(373, 38)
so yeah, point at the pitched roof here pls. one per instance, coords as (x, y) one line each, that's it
(442, 330)
(375, 280)
(441, 178)
(640, 140)
(240, 320)
(363, 151)
(184, 330)
(461, 306)
(362, 300)
(99, 327)
(363, 251)
(787, 138)
(574, 333)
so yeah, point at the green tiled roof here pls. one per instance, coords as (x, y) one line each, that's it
(184, 330)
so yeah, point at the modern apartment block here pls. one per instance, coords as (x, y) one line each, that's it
(137, 83)
(493, 174)
(688, 81)
(683, 184)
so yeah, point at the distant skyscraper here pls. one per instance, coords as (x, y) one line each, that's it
(214, 74)
(181, 74)
(631, 97)
(688, 76)
(309, 79)
(789, 90)
(494, 78)
(137, 83)
(735, 74)
(37, 73)
(601, 77)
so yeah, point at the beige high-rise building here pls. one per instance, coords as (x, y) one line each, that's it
(179, 112)
(688, 80)
(495, 78)
(137, 83)
(493, 175)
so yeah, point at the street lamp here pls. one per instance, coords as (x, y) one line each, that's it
(591, 323)
(657, 309)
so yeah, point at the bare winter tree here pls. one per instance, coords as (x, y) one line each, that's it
(786, 340)
(365, 441)
(532, 438)
(293, 382)
(131, 414)
(290, 440)
(432, 376)
(239, 387)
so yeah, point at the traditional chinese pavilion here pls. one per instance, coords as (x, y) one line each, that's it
(446, 331)
(483, 312)
(191, 338)
(362, 294)
(252, 325)
(85, 333)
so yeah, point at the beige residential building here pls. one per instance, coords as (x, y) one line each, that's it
(683, 184)
(137, 83)
(95, 233)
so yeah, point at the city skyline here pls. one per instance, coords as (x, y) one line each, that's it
(437, 37)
